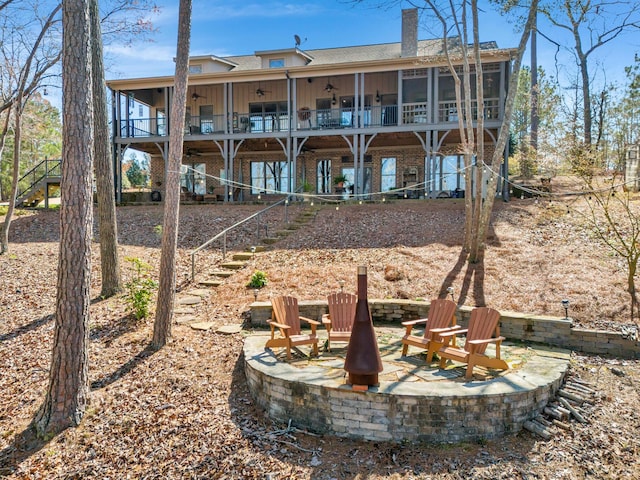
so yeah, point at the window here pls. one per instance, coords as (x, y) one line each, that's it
(206, 119)
(268, 116)
(388, 174)
(323, 112)
(193, 178)
(161, 122)
(276, 63)
(323, 175)
(269, 177)
(195, 68)
(347, 110)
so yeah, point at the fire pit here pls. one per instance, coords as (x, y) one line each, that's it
(413, 401)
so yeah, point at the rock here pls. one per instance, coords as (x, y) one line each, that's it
(617, 372)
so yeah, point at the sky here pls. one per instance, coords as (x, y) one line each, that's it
(231, 27)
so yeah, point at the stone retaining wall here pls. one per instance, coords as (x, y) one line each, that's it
(516, 326)
(442, 412)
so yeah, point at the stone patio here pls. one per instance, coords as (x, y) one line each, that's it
(414, 401)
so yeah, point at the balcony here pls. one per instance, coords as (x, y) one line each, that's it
(375, 116)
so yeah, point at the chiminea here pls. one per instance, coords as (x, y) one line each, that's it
(363, 361)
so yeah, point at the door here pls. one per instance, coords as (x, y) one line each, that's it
(349, 186)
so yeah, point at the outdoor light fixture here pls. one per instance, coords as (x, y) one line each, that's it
(255, 294)
(377, 97)
(565, 305)
(333, 99)
(450, 292)
(252, 249)
(341, 282)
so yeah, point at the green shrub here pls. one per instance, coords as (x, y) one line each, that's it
(139, 290)
(258, 280)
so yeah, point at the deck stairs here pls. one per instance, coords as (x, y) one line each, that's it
(38, 184)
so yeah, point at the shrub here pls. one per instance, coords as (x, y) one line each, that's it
(258, 280)
(139, 290)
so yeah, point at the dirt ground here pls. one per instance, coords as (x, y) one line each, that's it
(185, 411)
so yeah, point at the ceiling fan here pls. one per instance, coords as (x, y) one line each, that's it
(190, 152)
(260, 92)
(329, 87)
(195, 96)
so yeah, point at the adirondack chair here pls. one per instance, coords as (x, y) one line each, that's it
(285, 319)
(339, 320)
(442, 317)
(483, 325)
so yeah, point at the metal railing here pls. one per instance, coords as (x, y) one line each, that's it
(223, 233)
(46, 168)
(305, 119)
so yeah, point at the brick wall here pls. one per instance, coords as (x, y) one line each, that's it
(400, 411)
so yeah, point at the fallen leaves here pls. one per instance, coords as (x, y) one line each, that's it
(185, 411)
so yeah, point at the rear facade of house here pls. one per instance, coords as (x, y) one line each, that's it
(382, 116)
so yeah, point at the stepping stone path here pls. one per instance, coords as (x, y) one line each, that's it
(186, 311)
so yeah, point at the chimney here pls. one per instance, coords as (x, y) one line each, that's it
(409, 33)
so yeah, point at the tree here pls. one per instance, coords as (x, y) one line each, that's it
(548, 105)
(166, 291)
(591, 25)
(68, 391)
(40, 138)
(614, 218)
(624, 117)
(105, 184)
(477, 209)
(30, 50)
(136, 175)
(25, 84)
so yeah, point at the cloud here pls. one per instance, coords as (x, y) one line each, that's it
(143, 60)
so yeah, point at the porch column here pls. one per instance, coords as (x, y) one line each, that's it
(399, 102)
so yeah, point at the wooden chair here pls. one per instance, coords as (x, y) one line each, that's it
(286, 318)
(339, 320)
(442, 317)
(483, 324)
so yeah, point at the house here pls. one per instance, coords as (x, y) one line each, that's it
(384, 116)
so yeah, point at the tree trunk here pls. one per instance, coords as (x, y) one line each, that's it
(501, 143)
(68, 391)
(166, 291)
(6, 225)
(108, 228)
(476, 239)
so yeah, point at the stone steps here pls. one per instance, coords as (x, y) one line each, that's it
(186, 311)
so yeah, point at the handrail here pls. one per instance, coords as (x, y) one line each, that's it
(49, 167)
(223, 234)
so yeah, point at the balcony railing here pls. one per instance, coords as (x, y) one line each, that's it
(448, 111)
(376, 116)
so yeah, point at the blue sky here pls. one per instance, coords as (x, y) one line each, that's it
(238, 28)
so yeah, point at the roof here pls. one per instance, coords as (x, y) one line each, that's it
(428, 52)
(362, 53)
